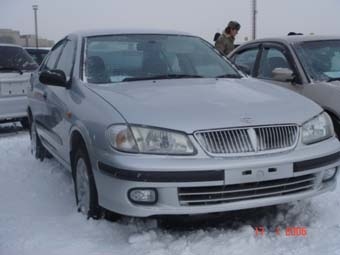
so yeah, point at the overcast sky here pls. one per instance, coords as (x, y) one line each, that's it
(57, 18)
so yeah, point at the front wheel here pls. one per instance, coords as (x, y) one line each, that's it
(336, 124)
(85, 188)
(337, 128)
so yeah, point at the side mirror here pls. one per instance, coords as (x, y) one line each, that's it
(54, 78)
(244, 69)
(283, 74)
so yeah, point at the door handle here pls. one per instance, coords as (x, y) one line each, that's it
(44, 95)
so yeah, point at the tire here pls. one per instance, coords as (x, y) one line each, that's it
(337, 128)
(85, 188)
(336, 124)
(37, 149)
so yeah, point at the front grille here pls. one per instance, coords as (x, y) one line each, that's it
(253, 140)
(191, 196)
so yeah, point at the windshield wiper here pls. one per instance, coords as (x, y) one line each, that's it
(162, 76)
(236, 76)
(333, 79)
(11, 69)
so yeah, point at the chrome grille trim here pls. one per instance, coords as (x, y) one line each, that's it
(191, 196)
(248, 140)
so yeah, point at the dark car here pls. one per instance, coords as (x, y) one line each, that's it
(38, 54)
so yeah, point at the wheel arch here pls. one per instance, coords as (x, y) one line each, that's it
(78, 139)
(336, 120)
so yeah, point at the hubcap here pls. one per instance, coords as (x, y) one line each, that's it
(83, 187)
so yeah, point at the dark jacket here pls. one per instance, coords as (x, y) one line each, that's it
(225, 43)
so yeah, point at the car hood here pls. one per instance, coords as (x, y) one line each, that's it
(197, 104)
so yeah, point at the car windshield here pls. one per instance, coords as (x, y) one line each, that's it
(38, 55)
(119, 58)
(321, 59)
(15, 58)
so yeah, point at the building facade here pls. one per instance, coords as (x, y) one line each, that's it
(13, 37)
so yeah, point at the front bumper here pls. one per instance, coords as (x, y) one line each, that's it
(169, 175)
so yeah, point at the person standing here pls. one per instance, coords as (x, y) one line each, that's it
(225, 42)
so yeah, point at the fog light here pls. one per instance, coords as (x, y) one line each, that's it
(329, 174)
(143, 196)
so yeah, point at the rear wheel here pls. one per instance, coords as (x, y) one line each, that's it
(24, 123)
(37, 148)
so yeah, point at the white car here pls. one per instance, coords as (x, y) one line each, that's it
(16, 66)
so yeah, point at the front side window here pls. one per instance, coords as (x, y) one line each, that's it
(119, 58)
(15, 58)
(272, 58)
(320, 59)
(246, 59)
(65, 62)
(53, 56)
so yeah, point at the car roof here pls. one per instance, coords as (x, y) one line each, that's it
(297, 38)
(100, 32)
(9, 45)
(40, 48)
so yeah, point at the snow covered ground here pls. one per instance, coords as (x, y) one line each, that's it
(38, 216)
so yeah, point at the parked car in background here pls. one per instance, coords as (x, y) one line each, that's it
(159, 123)
(38, 54)
(16, 66)
(308, 65)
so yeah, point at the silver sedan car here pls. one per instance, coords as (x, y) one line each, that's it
(159, 123)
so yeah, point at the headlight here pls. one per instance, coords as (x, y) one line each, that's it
(121, 138)
(149, 140)
(317, 129)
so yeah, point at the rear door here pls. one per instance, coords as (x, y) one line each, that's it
(43, 115)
